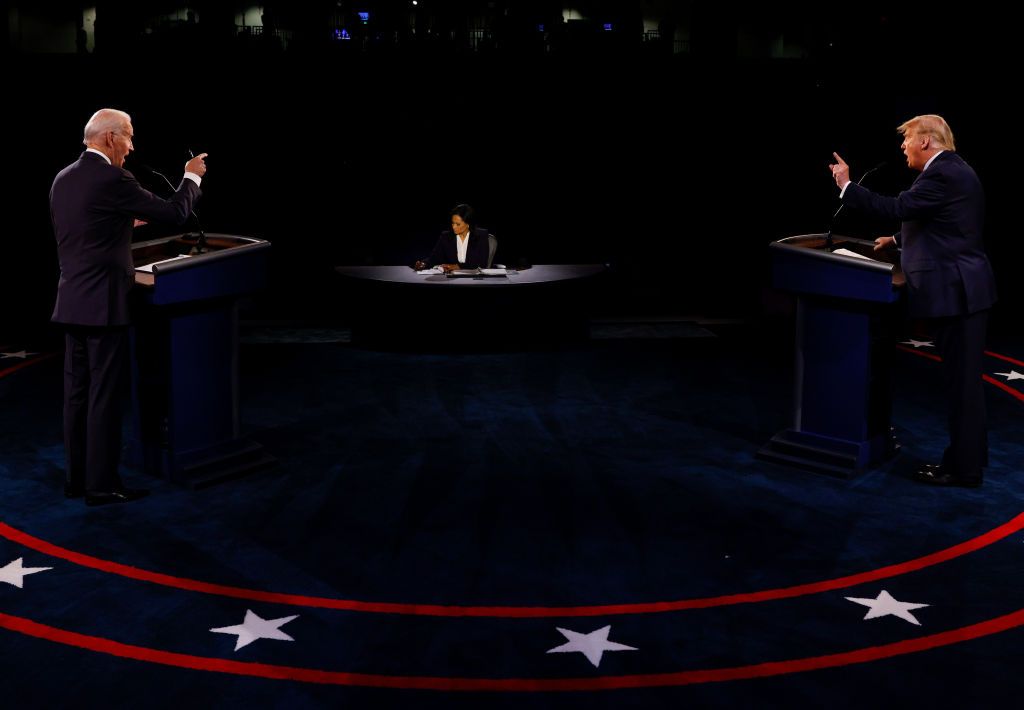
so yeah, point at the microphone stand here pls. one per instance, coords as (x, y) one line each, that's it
(828, 235)
(200, 246)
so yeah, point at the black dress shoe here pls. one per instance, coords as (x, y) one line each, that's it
(121, 495)
(935, 475)
(72, 490)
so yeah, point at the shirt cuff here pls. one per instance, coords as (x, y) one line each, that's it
(194, 178)
(841, 192)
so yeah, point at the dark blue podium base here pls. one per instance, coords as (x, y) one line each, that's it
(845, 330)
(207, 467)
(185, 358)
(823, 454)
(185, 386)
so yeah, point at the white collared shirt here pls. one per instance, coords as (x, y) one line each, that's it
(462, 245)
(931, 159)
(102, 155)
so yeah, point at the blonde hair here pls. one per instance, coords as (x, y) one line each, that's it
(930, 125)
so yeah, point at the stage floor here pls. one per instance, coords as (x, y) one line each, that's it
(580, 526)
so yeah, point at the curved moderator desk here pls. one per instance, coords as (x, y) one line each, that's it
(394, 304)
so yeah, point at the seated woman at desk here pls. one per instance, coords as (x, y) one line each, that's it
(464, 247)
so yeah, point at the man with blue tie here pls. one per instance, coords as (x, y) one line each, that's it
(949, 278)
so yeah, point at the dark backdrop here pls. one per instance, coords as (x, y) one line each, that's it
(675, 169)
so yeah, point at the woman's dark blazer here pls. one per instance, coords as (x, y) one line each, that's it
(446, 251)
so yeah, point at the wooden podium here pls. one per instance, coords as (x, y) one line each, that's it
(844, 311)
(185, 357)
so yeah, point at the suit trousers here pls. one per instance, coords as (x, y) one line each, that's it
(961, 343)
(95, 380)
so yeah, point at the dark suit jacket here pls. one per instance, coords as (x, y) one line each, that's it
(942, 215)
(447, 252)
(93, 205)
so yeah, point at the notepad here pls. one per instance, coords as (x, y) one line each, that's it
(470, 273)
(847, 252)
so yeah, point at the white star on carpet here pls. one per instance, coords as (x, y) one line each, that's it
(918, 343)
(20, 354)
(255, 628)
(14, 574)
(1011, 375)
(592, 645)
(885, 605)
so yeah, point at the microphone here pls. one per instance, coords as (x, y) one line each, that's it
(200, 245)
(828, 234)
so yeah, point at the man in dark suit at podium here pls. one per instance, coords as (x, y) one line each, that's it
(949, 278)
(94, 205)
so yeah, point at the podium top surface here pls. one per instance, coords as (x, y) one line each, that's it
(174, 270)
(181, 252)
(862, 256)
(537, 274)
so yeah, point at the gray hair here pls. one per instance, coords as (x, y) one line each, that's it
(106, 119)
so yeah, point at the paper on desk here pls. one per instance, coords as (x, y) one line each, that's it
(847, 252)
(148, 268)
(432, 270)
(494, 272)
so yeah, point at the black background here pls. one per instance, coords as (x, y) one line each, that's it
(676, 169)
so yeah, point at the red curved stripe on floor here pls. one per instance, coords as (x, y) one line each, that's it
(988, 378)
(1004, 357)
(15, 368)
(1003, 386)
(514, 612)
(930, 356)
(311, 675)
(915, 351)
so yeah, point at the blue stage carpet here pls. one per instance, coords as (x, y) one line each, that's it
(581, 527)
